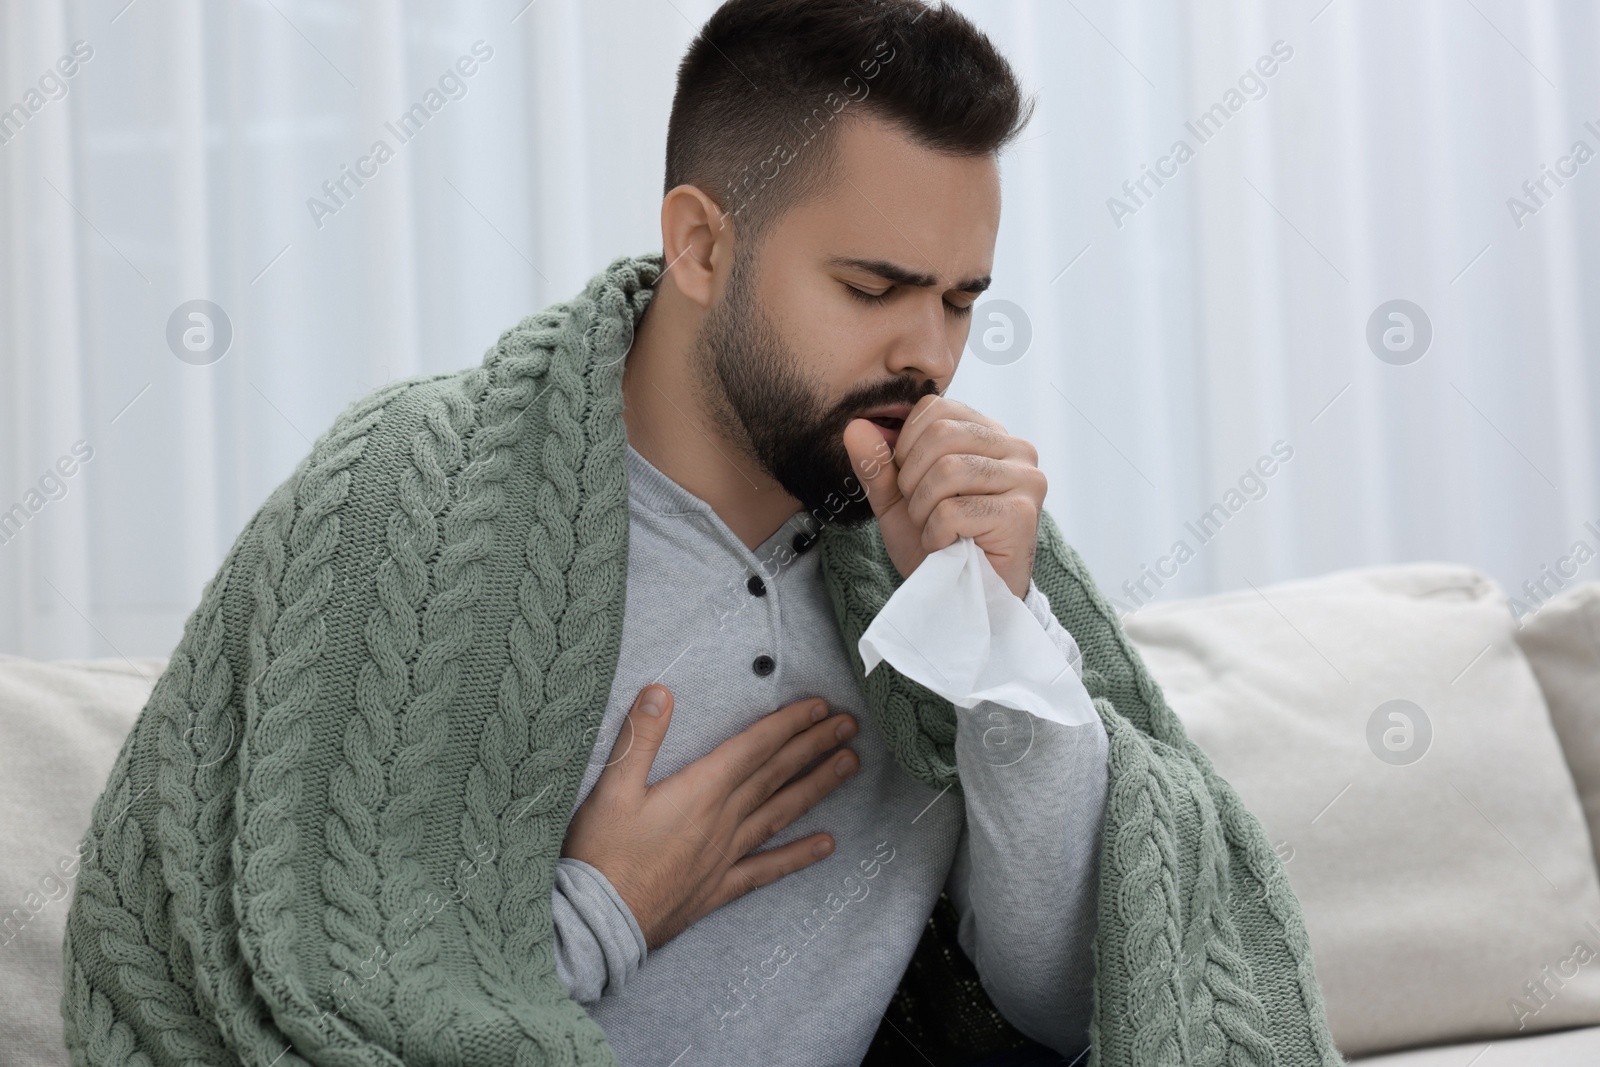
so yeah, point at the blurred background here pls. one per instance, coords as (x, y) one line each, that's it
(1352, 321)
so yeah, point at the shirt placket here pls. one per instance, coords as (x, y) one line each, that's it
(761, 571)
(759, 646)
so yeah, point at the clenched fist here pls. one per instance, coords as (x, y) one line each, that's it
(949, 472)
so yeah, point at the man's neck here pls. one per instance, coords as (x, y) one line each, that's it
(668, 425)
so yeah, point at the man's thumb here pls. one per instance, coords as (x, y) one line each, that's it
(641, 735)
(874, 464)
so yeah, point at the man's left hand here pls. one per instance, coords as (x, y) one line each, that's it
(952, 472)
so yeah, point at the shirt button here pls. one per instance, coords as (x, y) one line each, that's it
(763, 665)
(756, 586)
(802, 541)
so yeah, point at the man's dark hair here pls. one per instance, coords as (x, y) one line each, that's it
(764, 85)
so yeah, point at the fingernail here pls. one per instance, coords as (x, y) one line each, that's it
(846, 766)
(846, 730)
(654, 701)
(822, 848)
(819, 710)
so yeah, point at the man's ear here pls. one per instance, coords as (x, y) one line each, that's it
(697, 240)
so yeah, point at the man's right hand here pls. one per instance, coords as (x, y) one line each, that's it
(678, 849)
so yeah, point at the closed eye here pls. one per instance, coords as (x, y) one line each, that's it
(879, 298)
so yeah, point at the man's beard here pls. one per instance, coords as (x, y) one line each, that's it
(750, 382)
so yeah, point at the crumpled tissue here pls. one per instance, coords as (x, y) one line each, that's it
(955, 627)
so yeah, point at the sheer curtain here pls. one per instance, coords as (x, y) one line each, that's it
(1203, 343)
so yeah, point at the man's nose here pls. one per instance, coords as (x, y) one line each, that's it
(923, 348)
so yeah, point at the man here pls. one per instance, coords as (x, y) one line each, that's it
(526, 724)
(810, 321)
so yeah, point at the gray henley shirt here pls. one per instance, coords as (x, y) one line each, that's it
(800, 972)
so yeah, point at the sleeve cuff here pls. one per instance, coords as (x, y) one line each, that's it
(599, 944)
(1039, 604)
(1036, 602)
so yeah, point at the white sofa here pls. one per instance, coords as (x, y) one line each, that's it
(1442, 847)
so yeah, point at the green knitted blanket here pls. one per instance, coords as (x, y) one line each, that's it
(332, 833)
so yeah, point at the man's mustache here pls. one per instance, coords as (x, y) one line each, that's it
(900, 391)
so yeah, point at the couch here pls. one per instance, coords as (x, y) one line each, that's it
(1427, 766)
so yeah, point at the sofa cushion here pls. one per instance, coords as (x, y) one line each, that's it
(1385, 727)
(61, 727)
(1567, 1048)
(1562, 642)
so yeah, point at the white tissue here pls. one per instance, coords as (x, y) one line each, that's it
(956, 627)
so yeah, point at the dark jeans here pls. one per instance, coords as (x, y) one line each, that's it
(1032, 1056)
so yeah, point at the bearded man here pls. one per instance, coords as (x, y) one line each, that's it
(526, 722)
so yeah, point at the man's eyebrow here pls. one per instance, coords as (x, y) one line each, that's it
(899, 275)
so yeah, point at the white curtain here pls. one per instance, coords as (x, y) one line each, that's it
(1182, 334)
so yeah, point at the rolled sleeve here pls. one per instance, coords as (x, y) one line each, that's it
(598, 943)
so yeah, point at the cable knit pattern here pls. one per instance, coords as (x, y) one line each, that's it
(332, 834)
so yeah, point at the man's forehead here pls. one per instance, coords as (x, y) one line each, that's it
(917, 216)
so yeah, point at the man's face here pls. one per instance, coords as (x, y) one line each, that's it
(856, 302)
